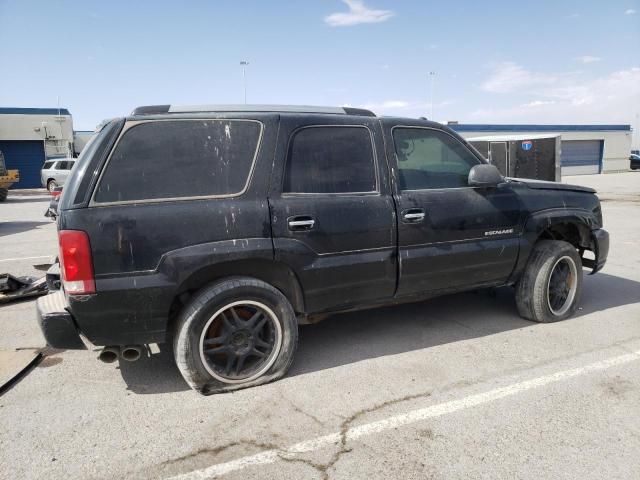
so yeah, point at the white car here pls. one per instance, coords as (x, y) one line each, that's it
(54, 173)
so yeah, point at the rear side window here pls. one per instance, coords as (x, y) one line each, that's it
(330, 160)
(47, 165)
(182, 158)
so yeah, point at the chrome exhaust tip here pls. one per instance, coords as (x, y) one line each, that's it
(109, 354)
(131, 353)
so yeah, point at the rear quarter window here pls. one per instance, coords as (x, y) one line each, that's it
(180, 159)
(47, 165)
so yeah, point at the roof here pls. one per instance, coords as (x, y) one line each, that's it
(160, 109)
(33, 111)
(470, 127)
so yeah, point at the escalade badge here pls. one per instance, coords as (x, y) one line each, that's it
(498, 232)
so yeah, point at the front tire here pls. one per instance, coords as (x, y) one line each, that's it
(551, 284)
(234, 334)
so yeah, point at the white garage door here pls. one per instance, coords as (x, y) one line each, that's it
(580, 157)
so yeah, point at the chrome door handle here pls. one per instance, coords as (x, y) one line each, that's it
(301, 223)
(413, 215)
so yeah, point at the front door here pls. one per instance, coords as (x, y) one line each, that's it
(450, 235)
(333, 218)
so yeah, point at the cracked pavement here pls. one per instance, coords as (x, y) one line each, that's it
(73, 416)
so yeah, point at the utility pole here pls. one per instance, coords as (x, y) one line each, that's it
(432, 76)
(244, 64)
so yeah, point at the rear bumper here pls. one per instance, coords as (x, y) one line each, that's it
(56, 322)
(600, 247)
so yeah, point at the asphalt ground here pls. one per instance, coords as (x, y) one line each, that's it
(455, 387)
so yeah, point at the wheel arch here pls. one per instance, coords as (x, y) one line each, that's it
(571, 225)
(275, 273)
(570, 230)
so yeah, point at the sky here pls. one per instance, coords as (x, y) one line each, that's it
(562, 61)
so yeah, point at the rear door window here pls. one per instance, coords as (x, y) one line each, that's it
(330, 159)
(181, 158)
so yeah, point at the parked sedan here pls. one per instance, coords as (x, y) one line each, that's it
(54, 173)
(634, 161)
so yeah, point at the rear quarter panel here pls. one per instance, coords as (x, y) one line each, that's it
(142, 252)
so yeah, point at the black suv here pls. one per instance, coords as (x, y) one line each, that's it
(221, 229)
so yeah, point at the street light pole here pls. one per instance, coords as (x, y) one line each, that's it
(244, 64)
(432, 78)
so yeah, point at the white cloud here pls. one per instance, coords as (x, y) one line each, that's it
(538, 103)
(388, 105)
(358, 13)
(588, 59)
(404, 107)
(510, 77)
(630, 11)
(613, 98)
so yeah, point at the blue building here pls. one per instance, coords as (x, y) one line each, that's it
(585, 149)
(28, 136)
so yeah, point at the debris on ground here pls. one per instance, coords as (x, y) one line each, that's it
(16, 288)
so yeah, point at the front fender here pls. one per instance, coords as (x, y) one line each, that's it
(535, 224)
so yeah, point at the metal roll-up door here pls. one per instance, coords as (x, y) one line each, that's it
(581, 157)
(26, 156)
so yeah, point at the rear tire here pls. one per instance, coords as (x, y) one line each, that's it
(51, 185)
(233, 334)
(550, 287)
(3, 194)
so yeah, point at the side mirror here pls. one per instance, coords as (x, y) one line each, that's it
(484, 175)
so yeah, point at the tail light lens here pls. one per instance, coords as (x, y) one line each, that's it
(76, 263)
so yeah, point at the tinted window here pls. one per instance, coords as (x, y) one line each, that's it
(431, 159)
(47, 165)
(330, 160)
(188, 158)
(89, 162)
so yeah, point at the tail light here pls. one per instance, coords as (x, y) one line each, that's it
(76, 263)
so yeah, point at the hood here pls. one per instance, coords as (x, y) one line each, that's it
(544, 185)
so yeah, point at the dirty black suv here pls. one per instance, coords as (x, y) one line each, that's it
(221, 229)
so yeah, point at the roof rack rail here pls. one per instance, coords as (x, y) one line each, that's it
(151, 110)
(161, 109)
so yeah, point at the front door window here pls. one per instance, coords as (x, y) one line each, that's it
(430, 159)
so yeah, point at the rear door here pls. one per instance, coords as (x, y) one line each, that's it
(450, 235)
(332, 213)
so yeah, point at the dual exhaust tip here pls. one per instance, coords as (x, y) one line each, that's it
(130, 353)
